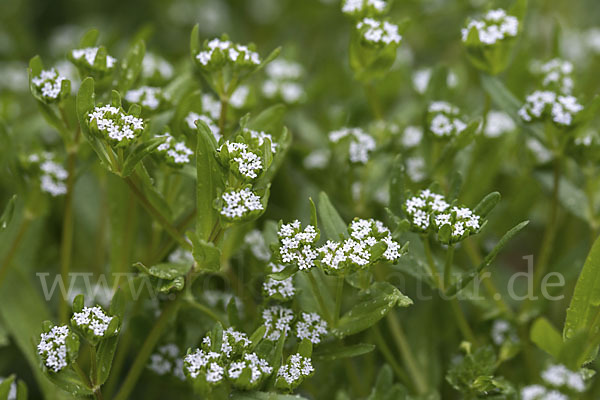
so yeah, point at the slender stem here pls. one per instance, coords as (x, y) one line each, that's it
(147, 347)
(409, 360)
(448, 266)
(320, 300)
(223, 115)
(338, 298)
(66, 249)
(181, 227)
(157, 215)
(93, 364)
(374, 100)
(463, 325)
(548, 240)
(87, 382)
(12, 251)
(206, 310)
(435, 275)
(389, 357)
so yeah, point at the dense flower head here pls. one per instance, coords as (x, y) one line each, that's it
(282, 290)
(559, 376)
(361, 143)
(561, 109)
(364, 247)
(539, 392)
(462, 221)
(294, 371)
(238, 204)
(278, 321)
(48, 84)
(420, 208)
(217, 52)
(312, 327)
(176, 153)
(495, 25)
(52, 175)
(234, 342)
(443, 119)
(192, 117)
(148, 97)
(53, 347)
(258, 246)
(503, 331)
(204, 364)
(114, 124)
(498, 123)
(412, 136)
(166, 360)
(261, 136)
(557, 74)
(248, 371)
(92, 320)
(87, 57)
(241, 160)
(282, 81)
(380, 33)
(155, 67)
(356, 8)
(296, 246)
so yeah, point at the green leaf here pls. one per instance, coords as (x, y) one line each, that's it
(8, 213)
(467, 278)
(583, 314)
(385, 389)
(487, 204)
(269, 120)
(21, 390)
(36, 66)
(5, 387)
(132, 66)
(78, 303)
(194, 42)
(164, 270)
(233, 314)
(264, 396)
(570, 195)
(333, 224)
(104, 358)
(339, 352)
(138, 153)
(456, 183)
(206, 185)
(206, 254)
(546, 337)
(69, 381)
(373, 304)
(89, 38)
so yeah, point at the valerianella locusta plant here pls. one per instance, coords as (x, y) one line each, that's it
(297, 245)
(49, 86)
(114, 125)
(294, 371)
(94, 323)
(51, 174)
(547, 105)
(444, 120)
(58, 347)
(175, 153)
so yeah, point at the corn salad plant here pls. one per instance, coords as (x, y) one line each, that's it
(355, 199)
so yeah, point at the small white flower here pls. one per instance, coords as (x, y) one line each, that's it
(354, 7)
(561, 109)
(312, 327)
(255, 240)
(378, 32)
(296, 369)
(533, 392)
(239, 96)
(233, 340)
(297, 246)
(205, 363)
(258, 367)
(192, 117)
(146, 96)
(277, 320)
(495, 26)
(233, 53)
(361, 143)
(420, 79)
(53, 348)
(282, 77)
(93, 319)
(166, 361)
(239, 203)
(177, 153)
(248, 163)
(154, 65)
(412, 136)
(284, 288)
(88, 55)
(115, 124)
(497, 123)
(49, 83)
(444, 119)
(559, 376)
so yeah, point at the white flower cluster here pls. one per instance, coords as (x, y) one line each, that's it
(166, 361)
(147, 96)
(356, 7)
(240, 203)
(311, 326)
(177, 153)
(296, 246)
(296, 369)
(560, 108)
(192, 117)
(261, 137)
(378, 32)
(420, 208)
(49, 82)
(539, 392)
(361, 143)
(245, 162)
(503, 331)
(259, 368)
(498, 123)
(557, 73)
(181, 256)
(256, 242)
(495, 26)
(88, 55)
(282, 77)
(93, 319)
(283, 289)
(412, 136)
(156, 66)
(53, 175)
(560, 376)
(444, 119)
(462, 221)
(211, 106)
(233, 52)
(233, 342)
(278, 321)
(356, 252)
(207, 363)
(53, 347)
(115, 124)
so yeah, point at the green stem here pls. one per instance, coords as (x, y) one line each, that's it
(157, 215)
(223, 115)
(338, 299)
(374, 100)
(147, 347)
(389, 357)
(448, 266)
(463, 325)
(435, 275)
(66, 250)
(12, 251)
(320, 300)
(87, 382)
(93, 364)
(205, 310)
(409, 360)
